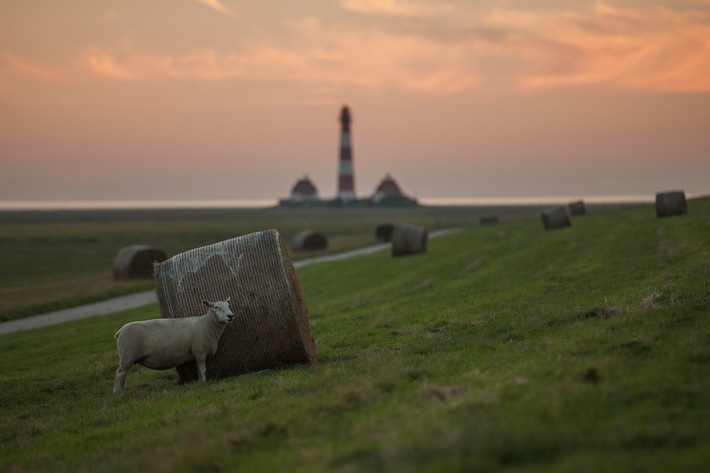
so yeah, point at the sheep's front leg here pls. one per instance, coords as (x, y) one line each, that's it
(201, 367)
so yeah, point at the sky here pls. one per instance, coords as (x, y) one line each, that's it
(226, 99)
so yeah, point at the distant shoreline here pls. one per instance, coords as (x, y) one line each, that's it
(48, 205)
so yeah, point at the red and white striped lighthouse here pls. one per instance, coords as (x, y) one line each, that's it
(346, 181)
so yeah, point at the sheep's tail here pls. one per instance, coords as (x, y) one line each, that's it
(117, 333)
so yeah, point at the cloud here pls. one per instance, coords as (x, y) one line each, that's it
(446, 51)
(653, 48)
(28, 69)
(320, 57)
(217, 6)
(398, 8)
(24, 81)
(112, 17)
(657, 48)
(104, 64)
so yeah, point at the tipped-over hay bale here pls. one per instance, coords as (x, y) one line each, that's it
(270, 326)
(136, 262)
(577, 208)
(488, 220)
(555, 217)
(671, 203)
(409, 240)
(308, 240)
(384, 232)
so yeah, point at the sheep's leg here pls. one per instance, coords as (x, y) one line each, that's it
(120, 379)
(201, 368)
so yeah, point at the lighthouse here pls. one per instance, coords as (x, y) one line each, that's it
(346, 181)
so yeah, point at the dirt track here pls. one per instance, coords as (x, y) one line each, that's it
(140, 299)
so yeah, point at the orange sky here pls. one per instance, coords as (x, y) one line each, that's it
(226, 99)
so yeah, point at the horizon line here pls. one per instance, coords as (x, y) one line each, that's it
(119, 204)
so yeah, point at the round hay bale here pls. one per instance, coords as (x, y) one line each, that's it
(488, 220)
(308, 240)
(270, 327)
(555, 217)
(409, 240)
(577, 208)
(384, 232)
(671, 203)
(136, 262)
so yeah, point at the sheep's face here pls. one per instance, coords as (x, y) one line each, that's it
(221, 308)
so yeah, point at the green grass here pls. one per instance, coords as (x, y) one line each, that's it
(504, 348)
(58, 259)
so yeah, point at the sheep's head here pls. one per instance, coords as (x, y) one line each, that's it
(221, 308)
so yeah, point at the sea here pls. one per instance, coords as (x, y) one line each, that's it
(266, 203)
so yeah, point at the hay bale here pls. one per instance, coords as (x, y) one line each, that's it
(270, 327)
(136, 262)
(308, 240)
(384, 232)
(555, 217)
(488, 220)
(671, 203)
(409, 240)
(577, 208)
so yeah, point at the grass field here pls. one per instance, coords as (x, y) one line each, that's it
(57, 259)
(503, 348)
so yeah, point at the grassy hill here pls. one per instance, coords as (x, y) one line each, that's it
(504, 348)
(57, 259)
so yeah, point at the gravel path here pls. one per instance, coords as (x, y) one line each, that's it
(107, 307)
(132, 301)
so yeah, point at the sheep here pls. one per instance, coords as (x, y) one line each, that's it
(162, 344)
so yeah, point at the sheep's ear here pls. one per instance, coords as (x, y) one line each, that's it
(228, 299)
(207, 303)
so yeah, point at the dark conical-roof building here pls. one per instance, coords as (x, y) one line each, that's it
(304, 191)
(387, 188)
(389, 193)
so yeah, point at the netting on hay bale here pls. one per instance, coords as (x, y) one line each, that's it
(488, 220)
(384, 232)
(555, 217)
(270, 327)
(577, 208)
(409, 240)
(136, 262)
(308, 240)
(671, 203)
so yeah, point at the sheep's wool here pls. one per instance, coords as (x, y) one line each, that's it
(270, 327)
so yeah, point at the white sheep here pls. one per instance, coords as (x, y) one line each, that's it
(162, 344)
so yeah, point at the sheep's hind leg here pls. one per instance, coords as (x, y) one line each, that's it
(120, 379)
